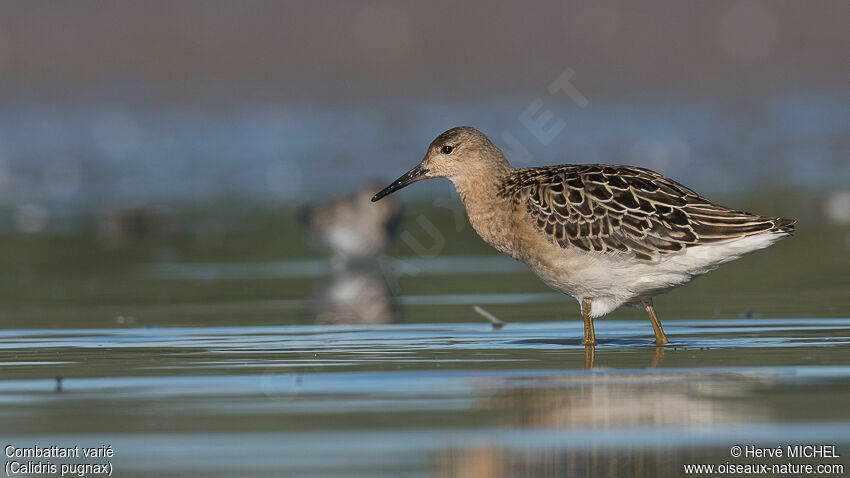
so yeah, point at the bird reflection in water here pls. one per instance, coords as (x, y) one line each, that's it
(592, 412)
(590, 357)
(356, 234)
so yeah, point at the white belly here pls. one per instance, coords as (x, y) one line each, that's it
(612, 280)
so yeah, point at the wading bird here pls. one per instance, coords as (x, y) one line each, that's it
(606, 235)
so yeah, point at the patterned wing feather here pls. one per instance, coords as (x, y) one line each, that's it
(605, 208)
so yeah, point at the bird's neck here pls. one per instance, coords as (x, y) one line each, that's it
(486, 208)
(479, 189)
(481, 179)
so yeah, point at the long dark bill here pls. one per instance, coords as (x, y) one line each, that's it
(410, 177)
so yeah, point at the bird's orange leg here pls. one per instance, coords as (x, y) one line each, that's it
(660, 338)
(589, 334)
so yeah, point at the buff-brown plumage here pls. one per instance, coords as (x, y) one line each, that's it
(607, 208)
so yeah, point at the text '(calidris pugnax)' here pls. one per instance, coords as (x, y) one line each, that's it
(607, 235)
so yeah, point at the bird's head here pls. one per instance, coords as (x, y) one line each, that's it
(457, 154)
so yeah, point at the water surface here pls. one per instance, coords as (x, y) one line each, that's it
(456, 399)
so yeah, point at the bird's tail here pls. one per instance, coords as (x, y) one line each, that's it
(714, 223)
(782, 225)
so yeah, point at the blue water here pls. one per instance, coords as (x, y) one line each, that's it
(425, 399)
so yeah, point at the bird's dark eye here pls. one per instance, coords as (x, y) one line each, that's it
(447, 149)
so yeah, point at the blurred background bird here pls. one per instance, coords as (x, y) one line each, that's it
(350, 228)
(355, 235)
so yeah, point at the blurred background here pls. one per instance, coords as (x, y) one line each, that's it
(186, 237)
(138, 133)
